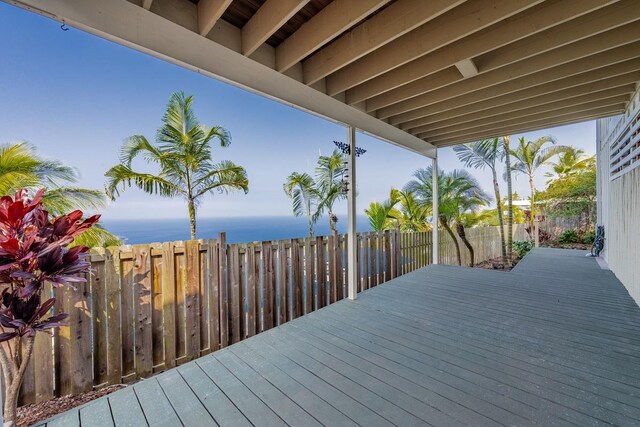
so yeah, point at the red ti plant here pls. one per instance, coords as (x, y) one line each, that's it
(33, 251)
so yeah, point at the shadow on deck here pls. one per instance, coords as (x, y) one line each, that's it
(555, 341)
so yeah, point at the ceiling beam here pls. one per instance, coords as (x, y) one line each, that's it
(209, 11)
(147, 4)
(597, 80)
(337, 17)
(533, 127)
(120, 21)
(462, 93)
(389, 24)
(587, 26)
(532, 21)
(498, 129)
(614, 46)
(548, 101)
(459, 22)
(272, 15)
(528, 114)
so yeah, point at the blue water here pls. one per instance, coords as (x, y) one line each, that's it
(239, 230)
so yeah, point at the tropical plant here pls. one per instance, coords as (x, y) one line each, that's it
(457, 192)
(315, 196)
(22, 167)
(383, 216)
(184, 157)
(412, 215)
(33, 251)
(522, 247)
(530, 156)
(570, 162)
(302, 189)
(480, 155)
(330, 185)
(571, 195)
(506, 150)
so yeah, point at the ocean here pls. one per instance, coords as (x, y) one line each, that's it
(239, 230)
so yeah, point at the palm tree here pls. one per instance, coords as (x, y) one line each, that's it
(479, 155)
(470, 197)
(302, 190)
(570, 162)
(531, 155)
(21, 167)
(454, 189)
(506, 152)
(183, 154)
(470, 219)
(383, 216)
(330, 185)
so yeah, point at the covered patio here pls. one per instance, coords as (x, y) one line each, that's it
(554, 342)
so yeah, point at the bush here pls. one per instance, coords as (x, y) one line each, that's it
(569, 236)
(589, 236)
(577, 236)
(522, 247)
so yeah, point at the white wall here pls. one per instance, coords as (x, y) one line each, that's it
(619, 196)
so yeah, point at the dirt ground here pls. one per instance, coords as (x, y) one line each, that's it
(31, 414)
(496, 264)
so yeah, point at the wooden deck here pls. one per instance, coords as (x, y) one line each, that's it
(555, 342)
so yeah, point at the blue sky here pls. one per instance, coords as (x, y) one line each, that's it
(76, 97)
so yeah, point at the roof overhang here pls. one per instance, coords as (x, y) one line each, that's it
(417, 74)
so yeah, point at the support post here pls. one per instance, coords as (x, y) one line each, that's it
(434, 206)
(352, 238)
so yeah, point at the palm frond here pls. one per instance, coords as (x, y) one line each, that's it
(65, 199)
(149, 183)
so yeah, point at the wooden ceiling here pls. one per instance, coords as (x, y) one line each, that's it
(446, 71)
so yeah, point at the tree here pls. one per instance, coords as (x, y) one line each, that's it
(572, 194)
(330, 185)
(470, 197)
(34, 250)
(506, 152)
(479, 155)
(315, 196)
(570, 162)
(302, 190)
(184, 157)
(22, 167)
(383, 216)
(531, 155)
(402, 209)
(455, 189)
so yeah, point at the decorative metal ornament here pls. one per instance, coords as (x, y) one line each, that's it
(346, 149)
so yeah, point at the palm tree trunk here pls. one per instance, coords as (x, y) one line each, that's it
(505, 141)
(496, 189)
(192, 218)
(446, 226)
(532, 214)
(463, 236)
(332, 223)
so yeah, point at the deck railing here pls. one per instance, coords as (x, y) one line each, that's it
(150, 307)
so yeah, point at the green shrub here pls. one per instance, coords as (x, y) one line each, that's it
(522, 247)
(569, 236)
(589, 236)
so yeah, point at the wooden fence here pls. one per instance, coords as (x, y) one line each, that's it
(147, 308)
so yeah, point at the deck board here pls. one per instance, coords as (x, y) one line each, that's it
(554, 342)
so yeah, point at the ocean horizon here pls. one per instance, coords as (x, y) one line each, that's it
(238, 229)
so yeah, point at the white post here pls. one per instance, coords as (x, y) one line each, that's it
(352, 240)
(434, 206)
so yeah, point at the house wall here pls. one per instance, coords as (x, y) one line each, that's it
(619, 193)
